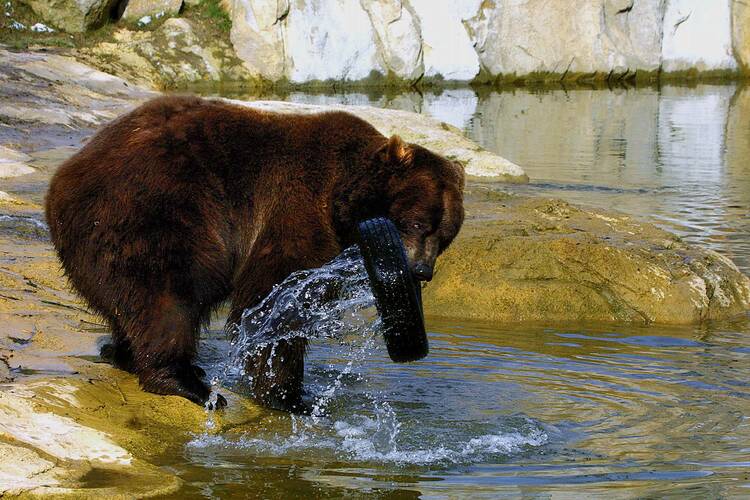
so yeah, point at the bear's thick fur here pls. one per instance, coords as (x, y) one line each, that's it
(185, 202)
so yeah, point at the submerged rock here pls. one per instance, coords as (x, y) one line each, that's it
(522, 259)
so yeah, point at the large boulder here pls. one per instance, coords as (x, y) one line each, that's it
(542, 38)
(448, 50)
(74, 16)
(316, 40)
(175, 54)
(523, 259)
(697, 36)
(329, 40)
(303, 41)
(257, 37)
(398, 37)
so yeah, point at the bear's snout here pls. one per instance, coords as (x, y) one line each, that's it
(422, 271)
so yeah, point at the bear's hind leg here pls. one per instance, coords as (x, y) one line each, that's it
(118, 352)
(163, 341)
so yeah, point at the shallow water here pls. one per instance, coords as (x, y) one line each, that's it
(493, 411)
(502, 411)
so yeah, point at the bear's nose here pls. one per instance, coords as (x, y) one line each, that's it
(423, 272)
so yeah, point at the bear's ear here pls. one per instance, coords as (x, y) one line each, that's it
(397, 151)
(459, 172)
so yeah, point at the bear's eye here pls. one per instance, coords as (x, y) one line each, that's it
(417, 226)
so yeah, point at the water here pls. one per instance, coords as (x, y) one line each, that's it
(335, 303)
(496, 411)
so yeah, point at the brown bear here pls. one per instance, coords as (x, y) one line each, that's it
(185, 202)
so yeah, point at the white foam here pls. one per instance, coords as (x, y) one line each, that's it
(359, 443)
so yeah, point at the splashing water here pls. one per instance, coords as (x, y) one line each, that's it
(349, 419)
(328, 302)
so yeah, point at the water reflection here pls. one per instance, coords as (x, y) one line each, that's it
(677, 156)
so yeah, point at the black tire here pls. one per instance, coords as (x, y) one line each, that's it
(398, 296)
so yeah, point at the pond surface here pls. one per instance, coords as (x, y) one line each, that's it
(494, 411)
(504, 412)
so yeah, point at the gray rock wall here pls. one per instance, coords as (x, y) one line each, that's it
(309, 40)
(304, 41)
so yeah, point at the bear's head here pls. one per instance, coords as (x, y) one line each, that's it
(425, 192)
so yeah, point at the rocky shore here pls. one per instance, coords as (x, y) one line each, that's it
(71, 425)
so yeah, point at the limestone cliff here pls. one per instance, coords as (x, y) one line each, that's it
(405, 41)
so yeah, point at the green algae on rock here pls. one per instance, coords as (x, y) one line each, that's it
(546, 261)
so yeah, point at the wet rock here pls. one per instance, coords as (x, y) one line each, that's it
(13, 164)
(79, 419)
(45, 419)
(22, 470)
(137, 9)
(74, 16)
(545, 261)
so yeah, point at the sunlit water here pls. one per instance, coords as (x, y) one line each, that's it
(494, 411)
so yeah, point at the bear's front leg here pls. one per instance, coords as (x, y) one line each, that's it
(277, 372)
(277, 368)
